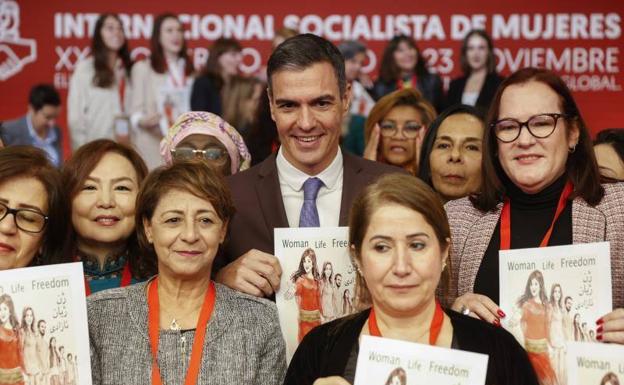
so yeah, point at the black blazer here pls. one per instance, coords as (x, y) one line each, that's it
(456, 90)
(260, 208)
(325, 350)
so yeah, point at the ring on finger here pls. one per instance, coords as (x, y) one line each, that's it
(464, 310)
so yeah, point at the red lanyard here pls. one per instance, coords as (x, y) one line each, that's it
(153, 315)
(122, 93)
(505, 228)
(126, 279)
(434, 328)
(178, 80)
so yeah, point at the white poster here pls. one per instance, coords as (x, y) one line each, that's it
(595, 364)
(385, 361)
(318, 279)
(43, 325)
(553, 295)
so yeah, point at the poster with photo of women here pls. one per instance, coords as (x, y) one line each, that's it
(552, 296)
(318, 279)
(384, 361)
(595, 364)
(44, 338)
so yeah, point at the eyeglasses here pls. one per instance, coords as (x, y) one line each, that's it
(540, 126)
(388, 128)
(212, 154)
(28, 220)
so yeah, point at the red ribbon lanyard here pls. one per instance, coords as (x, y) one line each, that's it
(122, 93)
(434, 328)
(153, 319)
(505, 229)
(177, 81)
(126, 278)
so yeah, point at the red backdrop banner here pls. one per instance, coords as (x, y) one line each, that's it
(41, 41)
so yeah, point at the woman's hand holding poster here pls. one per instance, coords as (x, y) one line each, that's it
(553, 295)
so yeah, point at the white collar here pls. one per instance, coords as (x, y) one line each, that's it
(295, 178)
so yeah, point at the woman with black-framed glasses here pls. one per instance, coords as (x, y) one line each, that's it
(33, 209)
(539, 167)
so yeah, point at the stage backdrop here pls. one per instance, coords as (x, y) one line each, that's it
(41, 41)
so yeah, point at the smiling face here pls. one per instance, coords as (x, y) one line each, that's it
(307, 108)
(476, 52)
(186, 232)
(171, 36)
(103, 209)
(18, 247)
(397, 149)
(405, 57)
(41, 326)
(112, 34)
(609, 162)
(532, 163)
(401, 260)
(568, 304)
(455, 157)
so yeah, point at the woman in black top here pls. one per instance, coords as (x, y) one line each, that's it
(403, 66)
(480, 80)
(223, 61)
(399, 239)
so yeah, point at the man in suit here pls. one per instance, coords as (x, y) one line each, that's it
(309, 182)
(38, 127)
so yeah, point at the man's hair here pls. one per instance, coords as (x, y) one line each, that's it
(43, 94)
(302, 51)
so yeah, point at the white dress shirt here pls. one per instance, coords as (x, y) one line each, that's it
(329, 197)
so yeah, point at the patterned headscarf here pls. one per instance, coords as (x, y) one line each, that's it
(206, 123)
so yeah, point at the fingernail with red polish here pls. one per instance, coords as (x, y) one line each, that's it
(599, 330)
(501, 313)
(600, 321)
(599, 337)
(496, 322)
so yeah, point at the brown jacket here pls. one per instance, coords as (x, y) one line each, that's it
(260, 209)
(472, 229)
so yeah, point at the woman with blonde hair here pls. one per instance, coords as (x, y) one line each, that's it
(395, 129)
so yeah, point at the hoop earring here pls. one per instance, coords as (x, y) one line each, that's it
(572, 149)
